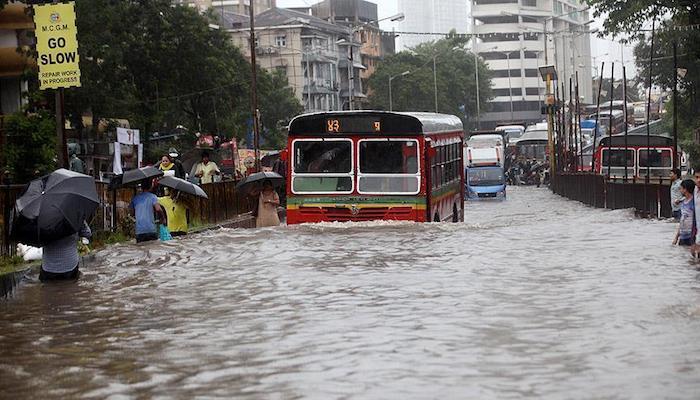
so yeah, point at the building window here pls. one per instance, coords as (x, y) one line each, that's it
(485, 2)
(281, 41)
(529, 3)
(532, 73)
(531, 54)
(532, 91)
(503, 73)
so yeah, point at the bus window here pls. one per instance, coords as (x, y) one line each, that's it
(617, 157)
(655, 158)
(389, 166)
(322, 166)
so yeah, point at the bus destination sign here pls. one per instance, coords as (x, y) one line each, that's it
(353, 125)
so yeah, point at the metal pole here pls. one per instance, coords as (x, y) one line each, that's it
(476, 72)
(578, 124)
(597, 116)
(544, 31)
(391, 106)
(572, 133)
(61, 149)
(254, 88)
(675, 105)
(624, 94)
(510, 86)
(651, 64)
(610, 118)
(351, 71)
(435, 82)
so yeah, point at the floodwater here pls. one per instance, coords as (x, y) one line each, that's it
(534, 297)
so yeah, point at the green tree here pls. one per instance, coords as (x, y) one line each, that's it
(456, 83)
(676, 23)
(31, 144)
(161, 65)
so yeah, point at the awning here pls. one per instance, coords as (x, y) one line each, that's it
(344, 64)
(316, 58)
(345, 93)
(318, 90)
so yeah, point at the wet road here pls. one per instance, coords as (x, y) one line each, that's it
(535, 297)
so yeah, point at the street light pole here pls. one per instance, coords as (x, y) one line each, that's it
(510, 86)
(435, 82)
(476, 72)
(254, 89)
(391, 78)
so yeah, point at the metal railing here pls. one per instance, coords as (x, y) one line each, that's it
(224, 204)
(651, 199)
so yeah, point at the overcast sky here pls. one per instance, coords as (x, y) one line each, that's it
(602, 50)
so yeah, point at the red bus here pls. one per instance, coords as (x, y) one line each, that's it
(656, 157)
(373, 165)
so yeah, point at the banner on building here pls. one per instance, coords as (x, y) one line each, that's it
(128, 136)
(57, 45)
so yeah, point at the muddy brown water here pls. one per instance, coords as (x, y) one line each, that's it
(534, 297)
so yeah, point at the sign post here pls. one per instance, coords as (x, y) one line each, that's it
(58, 59)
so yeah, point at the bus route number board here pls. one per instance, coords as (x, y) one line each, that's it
(338, 125)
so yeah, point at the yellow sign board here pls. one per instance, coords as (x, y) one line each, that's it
(57, 45)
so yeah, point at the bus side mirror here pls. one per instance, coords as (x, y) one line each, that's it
(284, 155)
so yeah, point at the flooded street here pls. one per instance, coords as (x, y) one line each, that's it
(534, 297)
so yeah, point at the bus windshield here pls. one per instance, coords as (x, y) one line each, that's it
(322, 166)
(388, 166)
(655, 158)
(485, 177)
(616, 157)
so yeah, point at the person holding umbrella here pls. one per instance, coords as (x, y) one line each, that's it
(144, 206)
(176, 208)
(177, 202)
(51, 214)
(60, 259)
(261, 185)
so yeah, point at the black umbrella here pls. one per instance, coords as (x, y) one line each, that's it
(183, 186)
(255, 181)
(140, 174)
(53, 207)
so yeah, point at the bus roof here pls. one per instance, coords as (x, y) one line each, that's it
(537, 135)
(637, 140)
(373, 122)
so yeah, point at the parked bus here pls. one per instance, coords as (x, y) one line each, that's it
(618, 121)
(658, 156)
(373, 165)
(533, 146)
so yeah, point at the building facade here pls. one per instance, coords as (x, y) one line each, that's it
(320, 61)
(431, 16)
(361, 16)
(15, 25)
(511, 39)
(235, 6)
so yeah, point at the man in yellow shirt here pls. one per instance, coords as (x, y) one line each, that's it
(176, 210)
(206, 169)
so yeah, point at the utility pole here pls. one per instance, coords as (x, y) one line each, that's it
(254, 88)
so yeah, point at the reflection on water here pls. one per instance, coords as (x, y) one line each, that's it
(532, 297)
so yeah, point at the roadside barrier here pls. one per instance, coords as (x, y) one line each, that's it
(649, 200)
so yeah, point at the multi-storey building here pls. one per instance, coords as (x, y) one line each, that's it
(314, 54)
(431, 16)
(511, 39)
(361, 16)
(235, 6)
